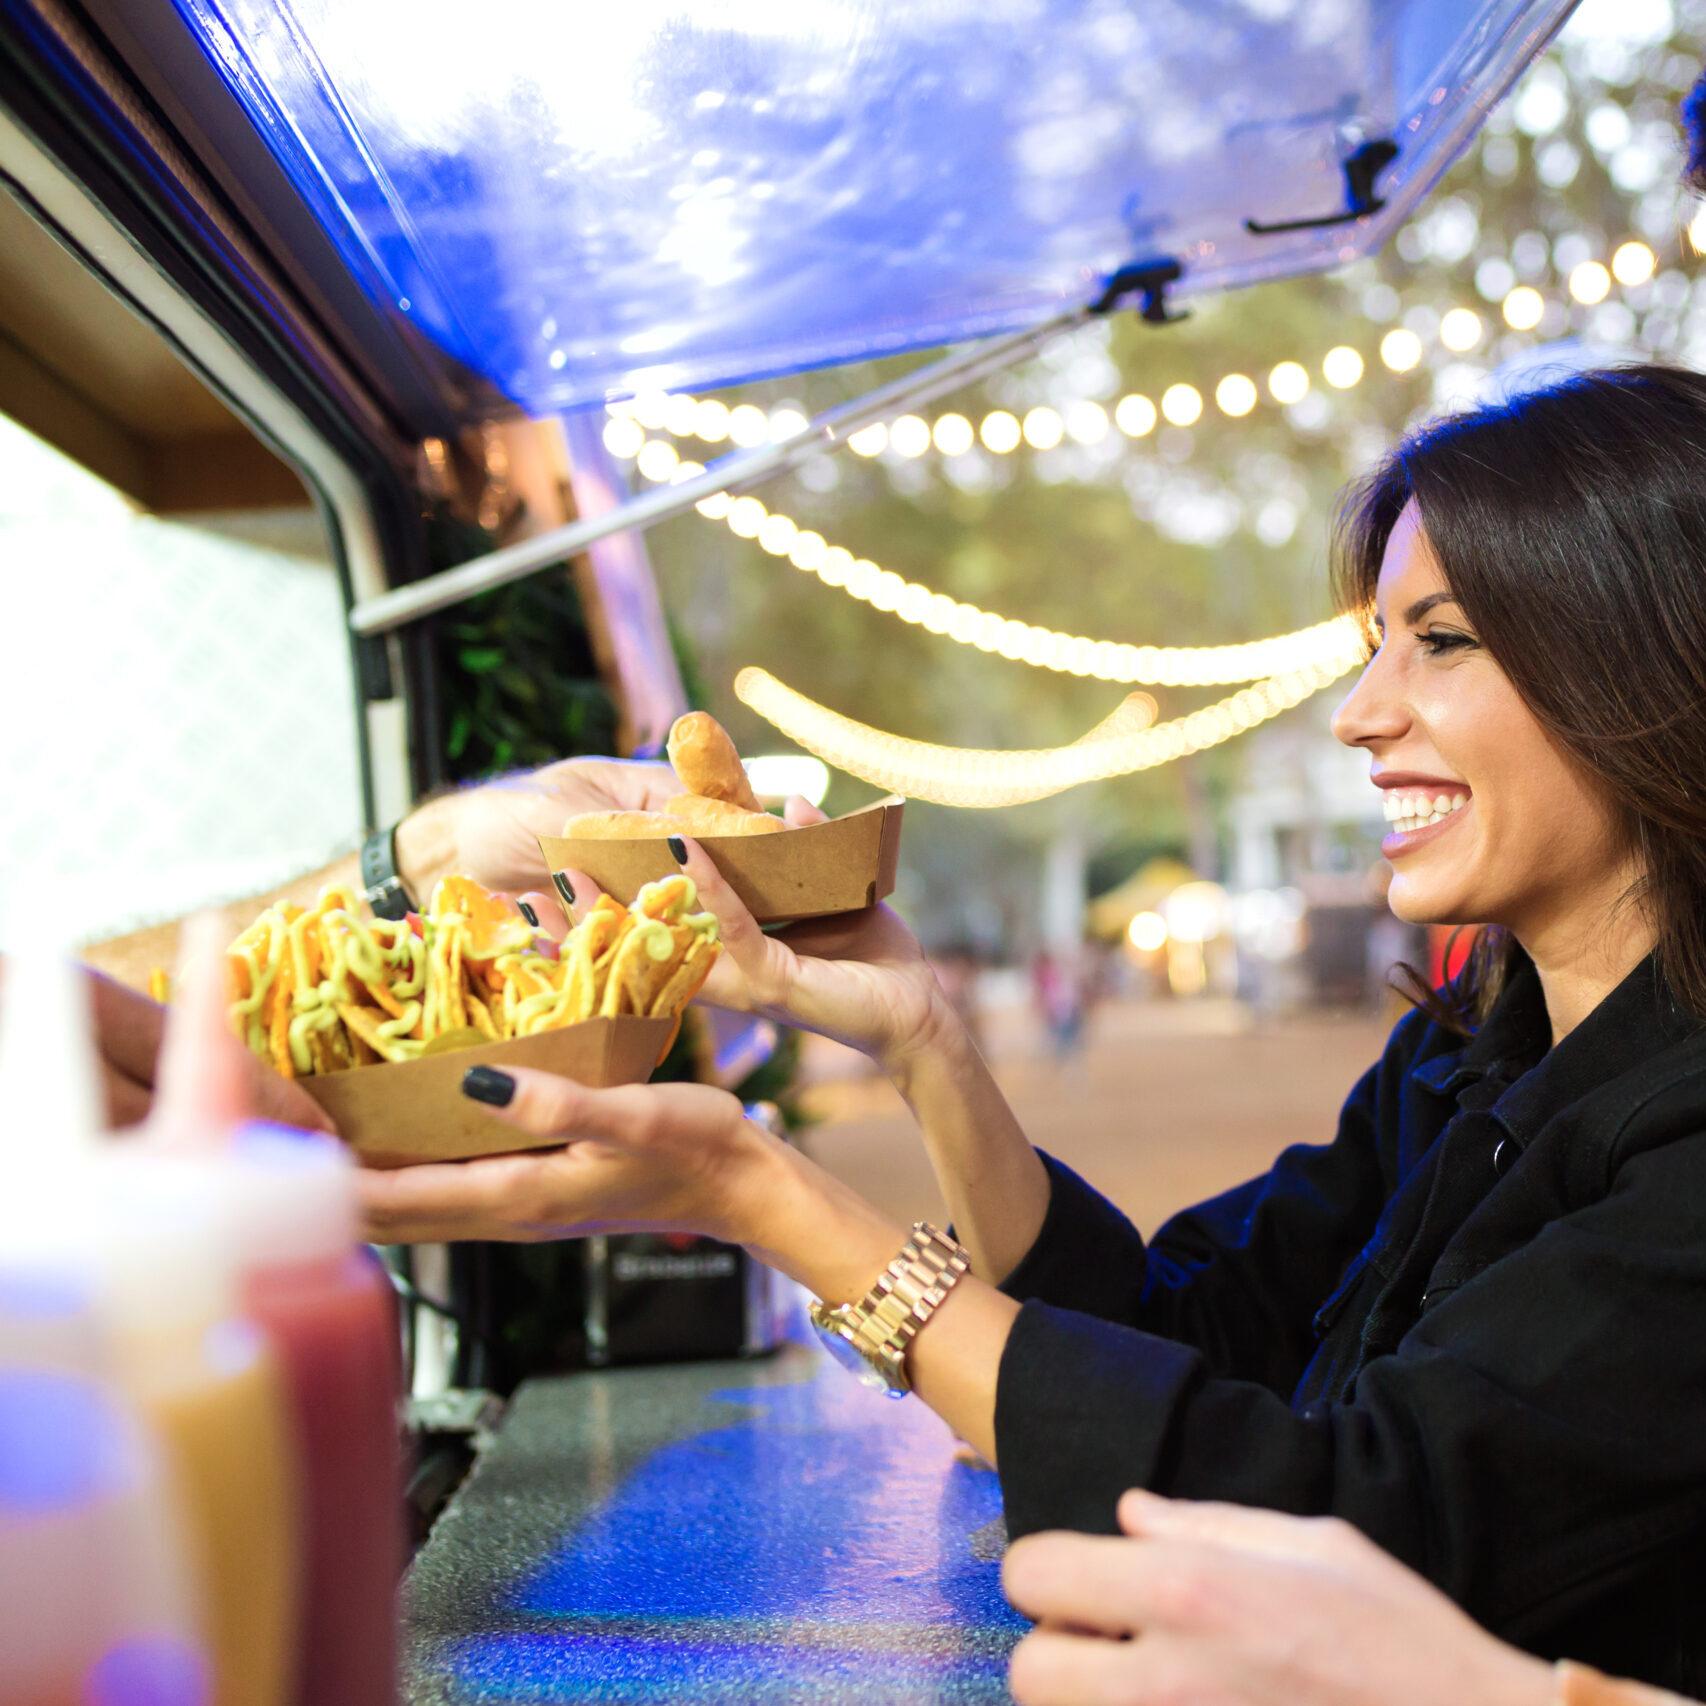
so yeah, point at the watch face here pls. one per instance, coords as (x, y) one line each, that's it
(850, 1356)
(842, 1350)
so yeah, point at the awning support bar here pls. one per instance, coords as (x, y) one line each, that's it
(736, 472)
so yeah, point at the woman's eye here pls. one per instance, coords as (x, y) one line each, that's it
(1438, 640)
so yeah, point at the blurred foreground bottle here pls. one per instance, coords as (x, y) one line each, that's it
(96, 1604)
(148, 1244)
(287, 1201)
(329, 1313)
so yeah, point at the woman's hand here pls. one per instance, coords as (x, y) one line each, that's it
(861, 978)
(491, 833)
(1222, 1605)
(638, 1158)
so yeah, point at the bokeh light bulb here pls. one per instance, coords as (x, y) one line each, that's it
(1590, 283)
(624, 437)
(1523, 308)
(910, 436)
(1042, 428)
(1342, 367)
(1401, 349)
(1633, 263)
(1135, 416)
(1289, 382)
(1147, 932)
(1000, 432)
(1460, 329)
(1181, 405)
(953, 435)
(1235, 395)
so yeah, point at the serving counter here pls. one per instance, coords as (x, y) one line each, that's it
(754, 1532)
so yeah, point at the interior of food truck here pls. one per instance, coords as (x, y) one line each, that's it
(310, 320)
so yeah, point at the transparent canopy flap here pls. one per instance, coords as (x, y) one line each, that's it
(577, 201)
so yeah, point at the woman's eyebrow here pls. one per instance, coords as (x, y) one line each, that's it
(1423, 605)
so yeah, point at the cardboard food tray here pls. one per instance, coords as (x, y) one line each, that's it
(401, 1112)
(843, 865)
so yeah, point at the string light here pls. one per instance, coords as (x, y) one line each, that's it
(1181, 405)
(909, 436)
(984, 778)
(1085, 421)
(1341, 367)
(1401, 349)
(1289, 382)
(1590, 283)
(1634, 263)
(1042, 428)
(1524, 308)
(1460, 330)
(953, 435)
(1235, 395)
(1023, 642)
(1135, 416)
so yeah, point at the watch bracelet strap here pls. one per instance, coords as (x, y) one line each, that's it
(911, 1289)
(382, 887)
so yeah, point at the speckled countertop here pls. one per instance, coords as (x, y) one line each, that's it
(759, 1533)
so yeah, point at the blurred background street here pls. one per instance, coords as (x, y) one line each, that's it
(1167, 1103)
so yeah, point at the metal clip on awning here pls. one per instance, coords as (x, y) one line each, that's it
(741, 470)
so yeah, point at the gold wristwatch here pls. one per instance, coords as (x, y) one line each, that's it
(871, 1337)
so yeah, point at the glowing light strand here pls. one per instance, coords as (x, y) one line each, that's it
(683, 415)
(985, 779)
(1025, 642)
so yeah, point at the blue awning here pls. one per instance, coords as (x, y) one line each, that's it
(579, 201)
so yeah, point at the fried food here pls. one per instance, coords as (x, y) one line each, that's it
(333, 987)
(705, 759)
(701, 816)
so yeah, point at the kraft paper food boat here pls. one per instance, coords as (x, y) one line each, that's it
(397, 1113)
(843, 865)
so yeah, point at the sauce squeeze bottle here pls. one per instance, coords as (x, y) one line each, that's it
(95, 1600)
(328, 1312)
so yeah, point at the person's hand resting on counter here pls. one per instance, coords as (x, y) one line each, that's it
(1226, 1605)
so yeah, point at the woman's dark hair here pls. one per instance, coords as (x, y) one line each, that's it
(1570, 524)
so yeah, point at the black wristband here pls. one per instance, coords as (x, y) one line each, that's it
(383, 889)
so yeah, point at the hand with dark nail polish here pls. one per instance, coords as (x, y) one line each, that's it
(528, 913)
(487, 1084)
(677, 849)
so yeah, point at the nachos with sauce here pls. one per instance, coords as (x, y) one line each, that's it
(330, 987)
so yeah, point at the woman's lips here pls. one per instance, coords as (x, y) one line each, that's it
(1406, 840)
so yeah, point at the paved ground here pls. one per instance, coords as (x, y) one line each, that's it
(1166, 1105)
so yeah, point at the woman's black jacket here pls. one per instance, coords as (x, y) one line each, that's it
(1473, 1325)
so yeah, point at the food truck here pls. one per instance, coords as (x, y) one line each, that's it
(360, 285)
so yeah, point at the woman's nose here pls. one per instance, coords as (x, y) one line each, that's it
(1374, 709)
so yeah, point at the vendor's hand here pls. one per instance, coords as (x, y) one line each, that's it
(860, 978)
(490, 833)
(1221, 1605)
(639, 1158)
(128, 1032)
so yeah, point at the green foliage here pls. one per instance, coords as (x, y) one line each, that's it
(518, 680)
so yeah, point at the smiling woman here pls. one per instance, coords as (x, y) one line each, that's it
(1470, 1325)
(1535, 577)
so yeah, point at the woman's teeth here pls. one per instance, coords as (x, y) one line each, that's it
(1410, 809)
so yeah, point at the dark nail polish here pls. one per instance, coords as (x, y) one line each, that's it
(528, 913)
(487, 1084)
(563, 888)
(678, 849)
